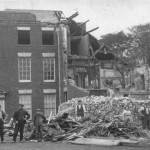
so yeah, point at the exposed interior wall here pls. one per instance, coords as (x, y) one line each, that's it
(75, 47)
(80, 46)
(84, 46)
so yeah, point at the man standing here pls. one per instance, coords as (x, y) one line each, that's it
(20, 117)
(2, 117)
(145, 117)
(127, 117)
(117, 93)
(39, 119)
(80, 110)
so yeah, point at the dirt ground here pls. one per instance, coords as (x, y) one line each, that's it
(64, 146)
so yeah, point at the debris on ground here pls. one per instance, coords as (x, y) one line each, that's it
(104, 117)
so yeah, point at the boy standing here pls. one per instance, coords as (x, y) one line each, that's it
(39, 119)
(80, 110)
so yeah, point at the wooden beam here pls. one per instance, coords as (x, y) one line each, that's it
(91, 30)
(72, 16)
(84, 23)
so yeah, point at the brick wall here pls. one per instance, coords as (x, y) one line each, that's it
(9, 65)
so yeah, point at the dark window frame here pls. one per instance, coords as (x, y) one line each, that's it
(47, 37)
(23, 37)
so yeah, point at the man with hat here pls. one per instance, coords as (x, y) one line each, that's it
(20, 117)
(118, 92)
(39, 119)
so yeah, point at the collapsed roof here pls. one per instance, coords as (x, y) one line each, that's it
(100, 52)
(77, 30)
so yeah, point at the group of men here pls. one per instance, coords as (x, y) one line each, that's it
(21, 115)
(19, 118)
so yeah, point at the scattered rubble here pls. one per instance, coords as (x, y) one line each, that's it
(104, 117)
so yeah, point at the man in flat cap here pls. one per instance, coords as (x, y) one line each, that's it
(20, 117)
(39, 119)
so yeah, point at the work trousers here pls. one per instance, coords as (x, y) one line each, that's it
(145, 122)
(38, 130)
(1, 130)
(19, 127)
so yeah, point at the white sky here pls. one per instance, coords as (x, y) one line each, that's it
(109, 15)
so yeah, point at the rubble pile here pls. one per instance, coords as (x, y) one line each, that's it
(59, 128)
(106, 116)
(100, 107)
(103, 118)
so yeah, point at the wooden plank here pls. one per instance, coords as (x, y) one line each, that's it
(91, 141)
(128, 141)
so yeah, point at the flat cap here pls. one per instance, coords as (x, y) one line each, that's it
(21, 105)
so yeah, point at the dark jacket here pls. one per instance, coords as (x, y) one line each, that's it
(80, 111)
(39, 119)
(3, 115)
(21, 115)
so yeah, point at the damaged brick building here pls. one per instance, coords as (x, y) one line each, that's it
(39, 51)
(83, 45)
(33, 64)
(90, 64)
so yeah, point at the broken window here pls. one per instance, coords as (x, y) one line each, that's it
(23, 35)
(47, 37)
